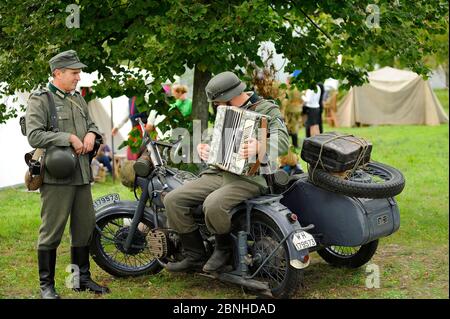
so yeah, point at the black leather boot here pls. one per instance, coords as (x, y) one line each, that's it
(193, 251)
(221, 255)
(46, 263)
(80, 257)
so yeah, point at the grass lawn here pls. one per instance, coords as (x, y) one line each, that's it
(413, 262)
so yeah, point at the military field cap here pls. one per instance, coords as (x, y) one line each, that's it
(67, 59)
(223, 87)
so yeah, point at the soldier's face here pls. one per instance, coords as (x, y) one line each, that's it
(67, 79)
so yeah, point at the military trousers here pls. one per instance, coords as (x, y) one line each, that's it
(218, 199)
(59, 202)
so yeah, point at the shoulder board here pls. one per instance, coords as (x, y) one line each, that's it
(273, 102)
(40, 91)
(269, 104)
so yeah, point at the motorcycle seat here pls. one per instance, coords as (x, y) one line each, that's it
(198, 211)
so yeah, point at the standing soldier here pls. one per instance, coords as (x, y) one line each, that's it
(66, 189)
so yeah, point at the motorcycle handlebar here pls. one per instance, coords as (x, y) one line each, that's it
(167, 144)
(146, 136)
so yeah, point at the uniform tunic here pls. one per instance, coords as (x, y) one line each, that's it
(70, 196)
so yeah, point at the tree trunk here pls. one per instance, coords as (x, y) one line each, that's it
(199, 101)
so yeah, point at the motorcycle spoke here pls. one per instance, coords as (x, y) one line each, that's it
(274, 270)
(115, 224)
(343, 251)
(127, 259)
(271, 278)
(109, 230)
(112, 239)
(370, 175)
(141, 260)
(113, 257)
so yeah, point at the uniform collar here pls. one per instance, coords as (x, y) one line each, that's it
(56, 90)
(252, 99)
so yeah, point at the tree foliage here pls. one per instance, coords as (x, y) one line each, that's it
(116, 37)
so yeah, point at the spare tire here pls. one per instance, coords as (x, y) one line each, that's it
(373, 180)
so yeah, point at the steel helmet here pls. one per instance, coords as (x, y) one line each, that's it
(223, 87)
(60, 162)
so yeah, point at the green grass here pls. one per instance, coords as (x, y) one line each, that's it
(413, 262)
(442, 95)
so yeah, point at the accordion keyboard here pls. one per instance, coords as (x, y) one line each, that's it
(232, 128)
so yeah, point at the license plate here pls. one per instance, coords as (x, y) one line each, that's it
(107, 199)
(303, 240)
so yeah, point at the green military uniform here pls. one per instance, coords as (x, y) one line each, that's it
(71, 195)
(66, 191)
(68, 196)
(220, 191)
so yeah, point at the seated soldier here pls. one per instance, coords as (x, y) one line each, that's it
(219, 190)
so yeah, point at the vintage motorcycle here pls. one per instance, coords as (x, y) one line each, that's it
(273, 234)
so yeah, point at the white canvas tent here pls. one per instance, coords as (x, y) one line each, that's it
(100, 112)
(13, 145)
(392, 96)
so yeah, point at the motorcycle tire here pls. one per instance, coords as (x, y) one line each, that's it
(349, 257)
(265, 236)
(374, 180)
(112, 230)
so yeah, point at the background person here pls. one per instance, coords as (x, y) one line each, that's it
(182, 103)
(104, 155)
(312, 109)
(133, 115)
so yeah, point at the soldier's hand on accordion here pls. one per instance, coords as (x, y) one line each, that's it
(203, 151)
(250, 148)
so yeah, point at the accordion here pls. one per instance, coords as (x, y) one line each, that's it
(232, 127)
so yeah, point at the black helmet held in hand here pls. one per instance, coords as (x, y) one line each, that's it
(60, 162)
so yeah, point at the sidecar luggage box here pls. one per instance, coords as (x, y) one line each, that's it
(340, 151)
(338, 219)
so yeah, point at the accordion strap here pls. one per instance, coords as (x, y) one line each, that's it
(262, 149)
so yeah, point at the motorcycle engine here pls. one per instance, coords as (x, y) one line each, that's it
(157, 243)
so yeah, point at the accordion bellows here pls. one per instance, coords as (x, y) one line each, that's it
(232, 127)
(338, 152)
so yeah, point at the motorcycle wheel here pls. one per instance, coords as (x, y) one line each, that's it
(374, 180)
(107, 247)
(349, 257)
(283, 279)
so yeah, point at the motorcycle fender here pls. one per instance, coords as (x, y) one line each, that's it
(128, 207)
(277, 212)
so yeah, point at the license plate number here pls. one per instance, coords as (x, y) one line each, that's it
(107, 199)
(303, 240)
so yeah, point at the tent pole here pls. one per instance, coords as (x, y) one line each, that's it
(112, 145)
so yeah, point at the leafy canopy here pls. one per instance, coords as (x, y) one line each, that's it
(162, 37)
